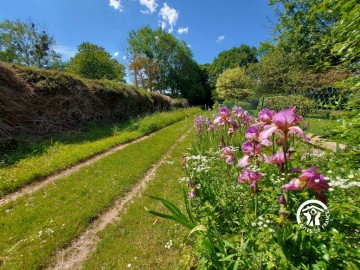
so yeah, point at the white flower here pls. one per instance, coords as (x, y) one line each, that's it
(260, 218)
(129, 265)
(253, 224)
(271, 230)
(267, 221)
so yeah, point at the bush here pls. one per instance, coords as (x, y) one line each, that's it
(278, 103)
(40, 101)
(232, 102)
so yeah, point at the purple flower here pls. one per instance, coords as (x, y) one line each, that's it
(312, 180)
(250, 177)
(228, 153)
(250, 151)
(223, 116)
(279, 159)
(199, 124)
(282, 200)
(266, 115)
(284, 122)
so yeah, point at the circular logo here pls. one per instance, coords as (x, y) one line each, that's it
(313, 215)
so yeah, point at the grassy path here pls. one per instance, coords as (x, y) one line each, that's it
(38, 185)
(33, 227)
(60, 156)
(73, 256)
(139, 238)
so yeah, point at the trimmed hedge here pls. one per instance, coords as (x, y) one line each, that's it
(38, 101)
(278, 103)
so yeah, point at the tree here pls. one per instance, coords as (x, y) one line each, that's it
(235, 57)
(176, 73)
(233, 83)
(93, 62)
(25, 44)
(144, 71)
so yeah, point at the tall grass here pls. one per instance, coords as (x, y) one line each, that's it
(52, 156)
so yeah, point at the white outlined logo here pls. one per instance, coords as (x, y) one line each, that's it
(313, 215)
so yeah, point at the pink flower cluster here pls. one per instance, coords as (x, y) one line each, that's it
(258, 132)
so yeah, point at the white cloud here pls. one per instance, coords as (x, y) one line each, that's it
(220, 39)
(150, 5)
(162, 24)
(183, 30)
(116, 54)
(124, 57)
(189, 45)
(169, 17)
(116, 4)
(65, 51)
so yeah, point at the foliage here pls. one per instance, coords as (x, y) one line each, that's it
(233, 84)
(277, 103)
(19, 162)
(58, 214)
(25, 44)
(93, 62)
(244, 192)
(165, 64)
(235, 57)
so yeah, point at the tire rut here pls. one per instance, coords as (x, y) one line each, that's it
(31, 188)
(73, 256)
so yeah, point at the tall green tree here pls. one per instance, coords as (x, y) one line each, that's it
(178, 74)
(93, 62)
(235, 57)
(25, 44)
(233, 83)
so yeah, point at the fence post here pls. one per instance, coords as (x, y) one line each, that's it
(262, 103)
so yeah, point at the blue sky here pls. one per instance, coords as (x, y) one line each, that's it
(207, 26)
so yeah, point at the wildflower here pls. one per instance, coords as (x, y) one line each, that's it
(223, 116)
(129, 265)
(192, 194)
(265, 115)
(282, 200)
(279, 159)
(307, 180)
(250, 150)
(284, 122)
(250, 177)
(199, 124)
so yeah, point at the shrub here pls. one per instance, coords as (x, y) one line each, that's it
(278, 103)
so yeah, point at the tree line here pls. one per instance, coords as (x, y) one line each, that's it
(315, 45)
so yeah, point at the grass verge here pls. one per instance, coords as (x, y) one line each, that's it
(139, 238)
(34, 226)
(63, 153)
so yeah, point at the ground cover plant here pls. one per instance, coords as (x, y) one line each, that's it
(50, 218)
(247, 177)
(63, 151)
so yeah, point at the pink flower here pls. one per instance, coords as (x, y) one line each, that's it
(228, 153)
(312, 180)
(199, 124)
(284, 122)
(250, 150)
(279, 159)
(266, 115)
(250, 177)
(223, 116)
(253, 132)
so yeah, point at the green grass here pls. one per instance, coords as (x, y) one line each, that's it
(34, 226)
(321, 127)
(141, 235)
(65, 151)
